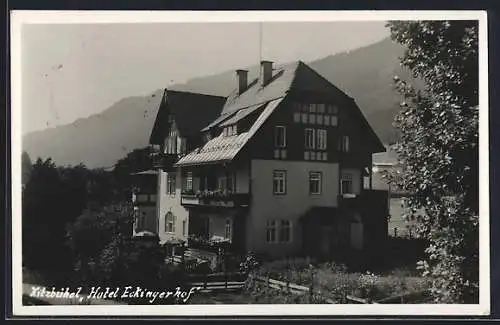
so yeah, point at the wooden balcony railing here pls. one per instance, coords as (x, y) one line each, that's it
(215, 198)
(163, 161)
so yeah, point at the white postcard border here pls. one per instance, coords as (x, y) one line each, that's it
(20, 17)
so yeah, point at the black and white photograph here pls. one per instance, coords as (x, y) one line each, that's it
(250, 163)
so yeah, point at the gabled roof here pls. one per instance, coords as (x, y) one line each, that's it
(225, 148)
(285, 78)
(192, 111)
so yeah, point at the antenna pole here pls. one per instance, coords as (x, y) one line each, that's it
(260, 42)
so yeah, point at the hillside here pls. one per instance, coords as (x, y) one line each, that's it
(100, 140)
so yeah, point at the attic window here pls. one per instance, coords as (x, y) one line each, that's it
(230, 130)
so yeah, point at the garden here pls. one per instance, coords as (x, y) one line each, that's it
(303, 280)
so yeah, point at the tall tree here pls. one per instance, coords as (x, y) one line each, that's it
(26, 167)
(438, 149)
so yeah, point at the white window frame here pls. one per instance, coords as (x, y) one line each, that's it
(271, 228)
(322, 136)
(276, 133)
(309, 136)
(168, 229)
(279, 176)
(189, 181)
(171, 179)
(317, 177)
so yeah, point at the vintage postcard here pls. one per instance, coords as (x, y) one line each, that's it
(295, 163)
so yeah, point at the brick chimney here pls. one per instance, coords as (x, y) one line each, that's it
(242, 76)
(266, 72)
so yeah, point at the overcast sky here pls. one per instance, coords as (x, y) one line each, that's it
(91, 66)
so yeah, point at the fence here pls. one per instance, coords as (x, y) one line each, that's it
(414, 297)
(218, 281)
(288, 287)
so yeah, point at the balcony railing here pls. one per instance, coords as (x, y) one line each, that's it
(219, 198)
(163, 161)
(215, 246)
(366, 200)
(143, 199)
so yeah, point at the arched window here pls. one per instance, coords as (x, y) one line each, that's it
(170, 222)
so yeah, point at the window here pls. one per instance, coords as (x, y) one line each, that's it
(171, 184)
(227, 229)
(319, 119)
(276, 154)
(326, 120)
(296, 117)
(226, 182)
(304, 118)
(312, 119)
(315, 183)
(283, 154)
(137, 217)
(189, 181)
(279, 182)
(183, 227)
(169, 222)
(333, 121)
(346, 184)
(312, 155)
(285, 231)
(321, 108)
(332, 109)
(345, 143)
(309, 138)
(280, 136)
(271, 231)
(325, 156)
(312, 108)
(322, 136)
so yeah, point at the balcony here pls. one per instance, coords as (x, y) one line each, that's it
(210, 245)
(163, 161)
(366, 201)
(143, 199)
(215, 198)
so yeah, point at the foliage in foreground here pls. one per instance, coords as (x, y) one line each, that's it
(332, 281)
(438, 150)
